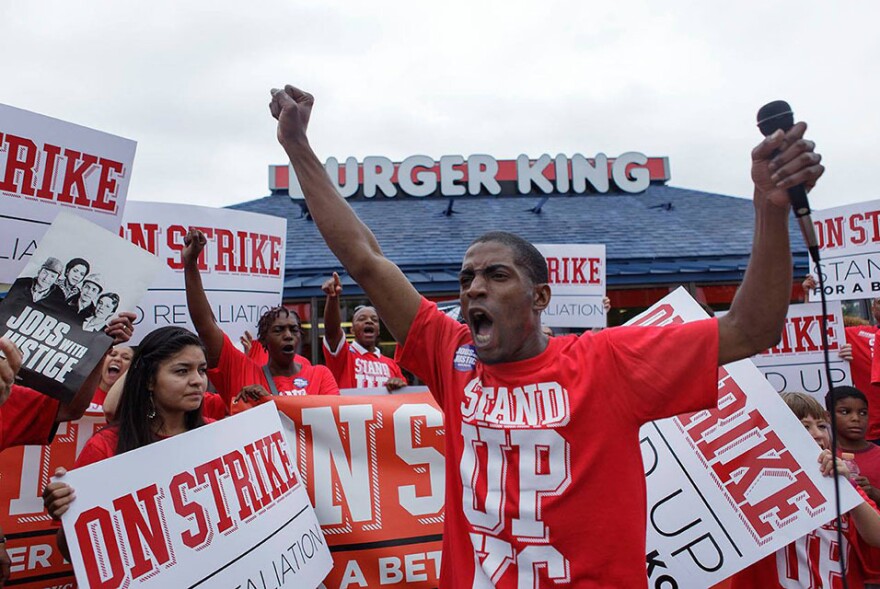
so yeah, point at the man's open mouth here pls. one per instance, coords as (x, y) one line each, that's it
(481, 326)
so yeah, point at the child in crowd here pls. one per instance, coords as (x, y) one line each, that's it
(812, 561)
(851, 416)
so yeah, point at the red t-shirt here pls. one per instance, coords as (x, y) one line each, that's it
(354, 367)
(27, 417)
(544, 478)
(258, 354)
(102, 445)
(868, 461)
(813, 561)
(861, 337)
(234, 370)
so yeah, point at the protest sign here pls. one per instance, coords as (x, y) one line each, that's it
(730, 485)
(849, 246)
(78, 279)
(221, 505)
(577, 281)
(242, 265)
(36, 562)
(48, 166)
(797, 362)
(374, 469)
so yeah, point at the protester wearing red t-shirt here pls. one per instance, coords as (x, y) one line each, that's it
(851, 409)
(859, 351)
(234, 375)
(360, 364)
(162, 397)
(545, 484)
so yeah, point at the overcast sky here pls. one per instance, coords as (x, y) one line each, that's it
(189, 81)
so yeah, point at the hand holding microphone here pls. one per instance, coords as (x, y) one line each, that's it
(785, 166)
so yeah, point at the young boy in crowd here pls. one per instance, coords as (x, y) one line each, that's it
(851, 418)
(812, 561)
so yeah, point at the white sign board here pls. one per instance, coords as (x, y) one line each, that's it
(797, 363)
(220, 506)
(48, 166)
(577, 284)
(729, 486)
(849, 247)
(242, 265)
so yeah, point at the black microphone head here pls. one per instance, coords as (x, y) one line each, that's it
(775, 115)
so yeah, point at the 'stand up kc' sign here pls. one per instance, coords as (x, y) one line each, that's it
(453, 175)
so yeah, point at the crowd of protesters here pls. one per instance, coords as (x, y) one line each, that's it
(160, 389)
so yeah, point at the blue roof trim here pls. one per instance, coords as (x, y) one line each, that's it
(664, 235)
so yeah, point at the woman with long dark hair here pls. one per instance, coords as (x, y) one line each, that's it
(162, 397)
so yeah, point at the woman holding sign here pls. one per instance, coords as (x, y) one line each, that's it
(162, 397)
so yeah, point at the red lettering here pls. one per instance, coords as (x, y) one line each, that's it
(832, 232)
(109, 573)
(577, 270)
(594, 270)
(274, 255)
(874, 216)
(803, 341)
(783, 503)
(858, 236)
(662, 315)
(749, 428)
(277, 484)
(52, 153)
(203, 257)
(225, 251)
(241, 482)
(79, 165)
(258, 264)
(263, 499)
(278, 441)
(136, 527)
(768, 456)
(176, 234)
(242, 247)
(143, 236)
(731, 400)
(211, 472)
(105, 199)
(21, 157)
(191, 511)
(553, 268)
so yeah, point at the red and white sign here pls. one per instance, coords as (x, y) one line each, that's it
(242, 265)
(374, 469)
(453, 175)
(729, 486)
(24, 473)
(577, 284)
(797, 362)
(48, 166)
(849, 245)
(219, 506)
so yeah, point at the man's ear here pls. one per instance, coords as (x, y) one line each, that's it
(541, 296)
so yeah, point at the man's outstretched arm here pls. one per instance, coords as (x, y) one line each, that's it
(757, 314)
(332, 322)
(352, 242)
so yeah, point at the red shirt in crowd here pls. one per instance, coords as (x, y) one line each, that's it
(234, 371)
(354, 367)
(861, 337)
(102, 445)
(27, 417)
(814, 561)
(544, 478)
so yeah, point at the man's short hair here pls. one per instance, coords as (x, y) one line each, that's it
(840, 393)
(53, 264)
(524, 254)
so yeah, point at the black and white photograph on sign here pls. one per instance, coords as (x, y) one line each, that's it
(56, 311)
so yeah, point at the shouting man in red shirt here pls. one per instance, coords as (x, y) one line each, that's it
(360, 364)
(544, 479)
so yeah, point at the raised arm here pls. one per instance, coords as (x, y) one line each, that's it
(395, 299)
(196, 299)
(332, 323)
(757, 314)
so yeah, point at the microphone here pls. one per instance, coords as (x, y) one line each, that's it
(771, 117)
